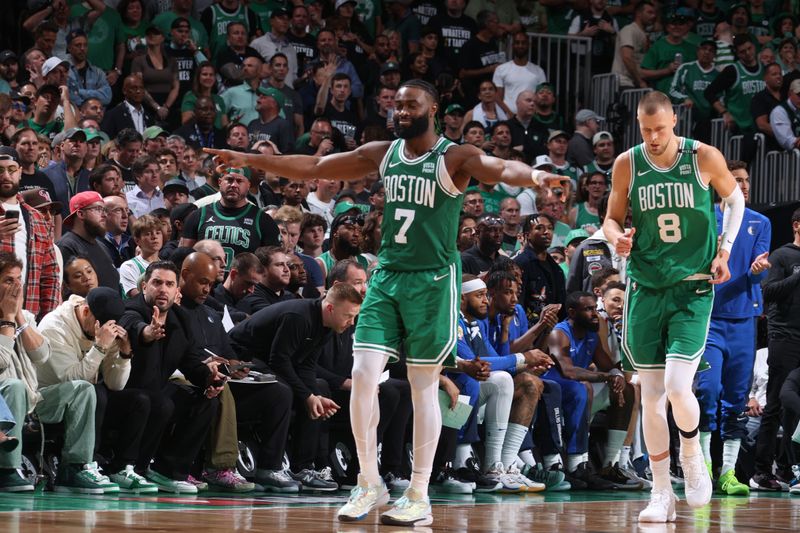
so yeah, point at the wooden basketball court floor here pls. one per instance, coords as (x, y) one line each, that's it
(612, 512)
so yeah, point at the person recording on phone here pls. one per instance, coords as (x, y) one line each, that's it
(248, 401)
(323, 139)
(162, 342)
(25, 232)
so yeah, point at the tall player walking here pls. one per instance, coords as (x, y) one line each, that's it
(674, 261)
(413, 299)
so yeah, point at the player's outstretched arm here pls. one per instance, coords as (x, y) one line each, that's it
(614, 223)
(343, 166)
(474, 162)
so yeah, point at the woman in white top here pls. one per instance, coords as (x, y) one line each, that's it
(489, 111)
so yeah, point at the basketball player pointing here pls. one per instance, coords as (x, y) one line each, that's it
(414, 294)
(674, 261)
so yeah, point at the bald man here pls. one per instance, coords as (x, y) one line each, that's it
(117, 240)
(129, 113)
(245, 401)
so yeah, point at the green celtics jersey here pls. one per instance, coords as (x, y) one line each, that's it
(420, 216)
(673, 213)
(237, 234)
(218, 36)
(690, 81)
(738, 97)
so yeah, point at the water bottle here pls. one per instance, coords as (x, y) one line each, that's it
(679, 58)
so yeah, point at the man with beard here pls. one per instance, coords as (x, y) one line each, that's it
(603, 147)
(87, 221)
(304, 44)
(467, 227)
(237, 224)
(162, 342)
(510, 392)
(69, 176)
(106, 180)
(478, 259)
(418, 270)
(28, 236)
(575, 345)
(542, 279)
(84, 79)
(345, 241)
(268, 125)
(272, 288)
(298, 278)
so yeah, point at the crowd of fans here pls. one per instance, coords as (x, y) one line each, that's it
(161, 306)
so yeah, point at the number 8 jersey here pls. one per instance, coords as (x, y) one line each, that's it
(673, 213)
(421, 210)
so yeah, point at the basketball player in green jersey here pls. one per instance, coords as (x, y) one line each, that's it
(675, 260)
(414, 294)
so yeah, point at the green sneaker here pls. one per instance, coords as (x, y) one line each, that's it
(553, 479)
(109, 487)
(166, 484)
(129, 481)
(728, 484)
(12, 481)
(411, 510)
(82, 480)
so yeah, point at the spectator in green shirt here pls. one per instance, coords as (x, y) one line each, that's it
(668, 53)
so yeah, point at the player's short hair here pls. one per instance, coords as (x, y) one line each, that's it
(735, 164)
(343, 292)
(573, 300)
(653, 101)
(246, 262)
(615, 285)
(498, 279)
(423, 86)
(265, 254)
(161, 265)
(339, 270)
(600, 277)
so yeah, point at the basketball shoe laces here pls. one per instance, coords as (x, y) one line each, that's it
(693, 471)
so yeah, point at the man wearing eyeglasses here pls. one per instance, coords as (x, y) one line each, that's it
(28, 236)
(235, 223)
(87, 222)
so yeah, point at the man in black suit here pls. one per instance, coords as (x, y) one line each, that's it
(130, 113)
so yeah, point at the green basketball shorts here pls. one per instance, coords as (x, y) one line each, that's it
(413, 311)
(665, 324)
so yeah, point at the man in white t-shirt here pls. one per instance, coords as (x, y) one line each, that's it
(322, 200)
(519, 74)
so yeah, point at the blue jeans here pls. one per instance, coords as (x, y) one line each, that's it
(6, 418)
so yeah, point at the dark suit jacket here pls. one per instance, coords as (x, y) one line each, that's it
(119, 118)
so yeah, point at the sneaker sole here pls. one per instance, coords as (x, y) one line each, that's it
(224, 488)
(77, 490)
(281, 490)
(560, 487)
(383, 500)
(177, 491)
(670, 518)
(756, 486)
(389, 521)
(146, 490)
(318, 489)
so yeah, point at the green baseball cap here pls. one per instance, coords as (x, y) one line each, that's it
(274, 93)
(579, 233)
(344, 207)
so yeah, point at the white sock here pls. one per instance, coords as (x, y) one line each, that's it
(463, 452)
(660, 470)
(424, 381)
(515, 434)
(705, 444)
(495, 436)
(575, 459)
(527, 457)
(625, 457)
(551, 459)
(613, 446)
(690, 446)
(730, 453)
(365, 412)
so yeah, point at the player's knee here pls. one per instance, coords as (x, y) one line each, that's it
(530, 385)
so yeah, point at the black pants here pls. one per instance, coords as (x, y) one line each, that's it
(790, 399)
(784, 356)
(394, 403)
(305, 431)
(270, 406)
(180, 419)
(128, 412)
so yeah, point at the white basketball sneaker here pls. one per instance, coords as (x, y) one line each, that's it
(698, 482)
(661, 507)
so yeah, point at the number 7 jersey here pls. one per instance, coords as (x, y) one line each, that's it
(673, 213)
(421, 210)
